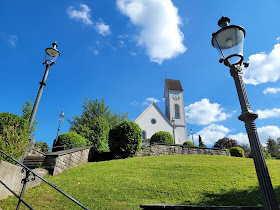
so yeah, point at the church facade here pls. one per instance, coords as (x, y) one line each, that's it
(173, 121)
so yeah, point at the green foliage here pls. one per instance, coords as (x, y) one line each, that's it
(226, 143)
(272, 147)
(70, 140)
(237, 152)
(14, 135)
(42, 146)
(191, 144)
(95, 122)
(246, 147)
(125, 139)
(200, 142)
(26, 114)
(162, 137)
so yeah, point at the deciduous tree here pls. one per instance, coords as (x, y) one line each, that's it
(226, 143)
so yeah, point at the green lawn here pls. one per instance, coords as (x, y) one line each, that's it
(180, 179)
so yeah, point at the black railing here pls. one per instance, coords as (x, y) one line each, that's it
(24, 181)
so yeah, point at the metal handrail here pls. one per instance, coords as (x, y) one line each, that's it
(26, 179)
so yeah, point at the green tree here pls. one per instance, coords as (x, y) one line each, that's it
(69, 140)
(190, 143)
(278, 143)
(42, 146)
(95, 122)
(245, 147)
(26, 114)
(14, 135)
(272, 147)
(200, 142)
(125, 139)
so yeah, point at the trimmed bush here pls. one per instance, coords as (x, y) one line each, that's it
(70, 140)
(125, 139)
(162, 137)
(14, 135)
(189, 143)
(237, 152)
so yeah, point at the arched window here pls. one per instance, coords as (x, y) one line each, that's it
(177, 111)
(144, 134)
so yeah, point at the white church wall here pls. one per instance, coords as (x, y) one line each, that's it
(180, 134)
(145, 122)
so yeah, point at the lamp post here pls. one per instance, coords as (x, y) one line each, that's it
(173, 126)
(61, 118)
(192, 136)
(229, 43)
(51, 55)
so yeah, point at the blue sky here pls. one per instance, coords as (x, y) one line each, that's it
(124, 49)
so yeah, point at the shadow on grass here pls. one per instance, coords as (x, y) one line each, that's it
(250, 197)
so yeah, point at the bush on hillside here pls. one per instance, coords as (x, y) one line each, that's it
(68, 141)
(42, 146)
(125, 139)
(162, 137)
(189, 143)
(237, 152)
(14, 135)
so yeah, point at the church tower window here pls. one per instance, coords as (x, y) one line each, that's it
(177, 111)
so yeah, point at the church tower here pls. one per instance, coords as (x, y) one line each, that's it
(175, 110)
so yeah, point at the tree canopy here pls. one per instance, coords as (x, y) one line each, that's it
(95, 122)
(226, 143)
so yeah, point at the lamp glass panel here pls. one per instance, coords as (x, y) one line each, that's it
(229, 42)
(51, 55)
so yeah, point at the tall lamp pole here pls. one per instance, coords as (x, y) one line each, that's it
(192, 136)
(51, 55)
(229, 43)
(173, 126)
(61, 118)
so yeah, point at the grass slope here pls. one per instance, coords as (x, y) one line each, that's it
(181, 179)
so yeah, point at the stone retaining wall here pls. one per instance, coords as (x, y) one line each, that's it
(57, 162)
(164, 149)
(11, 175)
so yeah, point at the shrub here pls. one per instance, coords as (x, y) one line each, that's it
(70, 140)
(237, 152)
(189, 143)
(14, 135)
(125, 139)
(42, 146)
(162, 137)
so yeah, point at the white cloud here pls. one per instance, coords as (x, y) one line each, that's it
(159, 23)
(148, 101)
(102, 28)
(271, 90)
(12, 40)
(212, 133)
(134, 103)
(278, 38)
(203, 112)
(263, 67)
(241, 138)
(82, 15)
(264, 133)
(268, 113)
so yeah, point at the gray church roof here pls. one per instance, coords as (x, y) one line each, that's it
(173, 84)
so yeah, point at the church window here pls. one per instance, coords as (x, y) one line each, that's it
(177, 111)
(144, 134)
(153, 121)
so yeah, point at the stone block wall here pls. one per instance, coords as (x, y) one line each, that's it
(164, 149)
(57, 162)
(12, 175)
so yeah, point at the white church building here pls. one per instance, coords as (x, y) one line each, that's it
(153, 119)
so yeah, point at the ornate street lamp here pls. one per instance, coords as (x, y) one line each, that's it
(192, 136)
(51, 55)
(229, 43)
(61, 118)
(173, 126)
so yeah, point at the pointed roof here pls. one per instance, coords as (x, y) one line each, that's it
(173, 84)
(153, 104)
